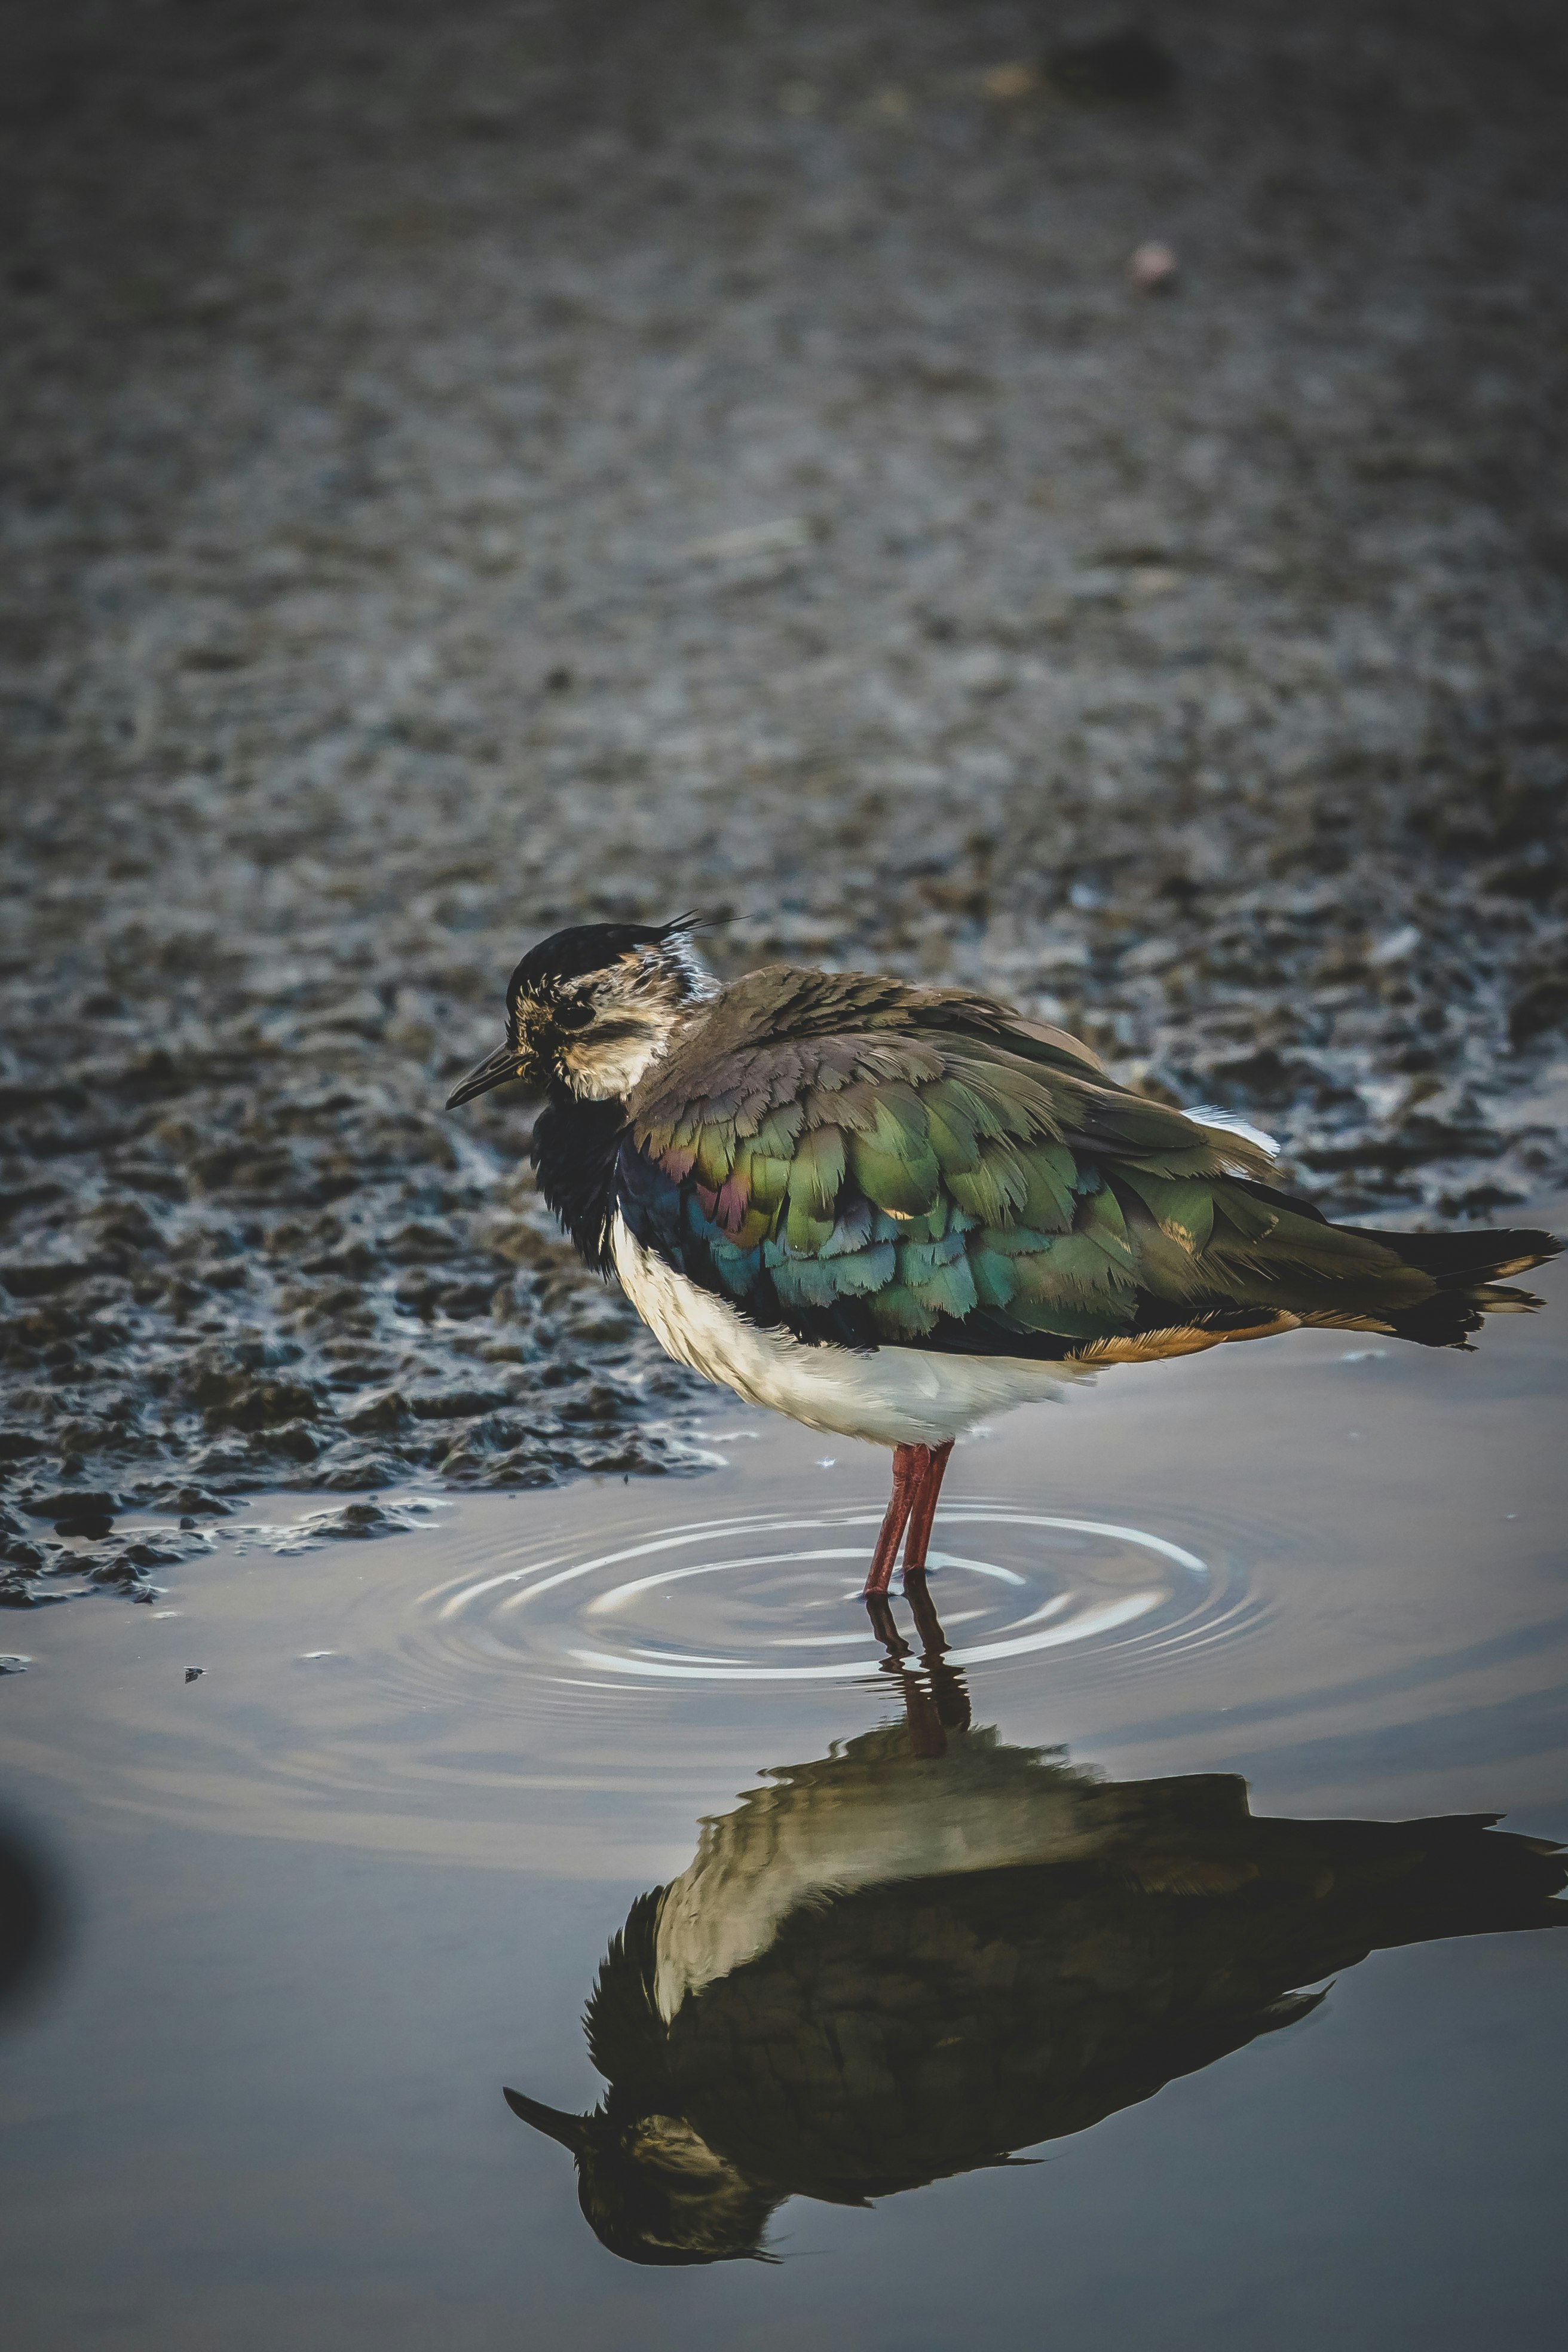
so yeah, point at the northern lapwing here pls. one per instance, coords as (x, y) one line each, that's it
(893, 1212)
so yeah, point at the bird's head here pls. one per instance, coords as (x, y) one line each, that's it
(653, 2190)
(590, 1008)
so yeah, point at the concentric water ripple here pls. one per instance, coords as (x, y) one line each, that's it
(771, 1598)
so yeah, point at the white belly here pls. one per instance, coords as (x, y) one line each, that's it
(894, 1396)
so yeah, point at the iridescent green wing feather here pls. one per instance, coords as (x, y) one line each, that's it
(873, 1164)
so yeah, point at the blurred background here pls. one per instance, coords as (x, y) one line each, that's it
(998, 493)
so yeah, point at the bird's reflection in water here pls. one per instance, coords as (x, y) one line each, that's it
(927, 1949)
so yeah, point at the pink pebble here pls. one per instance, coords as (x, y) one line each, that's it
(1152, 268)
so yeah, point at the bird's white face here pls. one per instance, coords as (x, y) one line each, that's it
(597, 1031)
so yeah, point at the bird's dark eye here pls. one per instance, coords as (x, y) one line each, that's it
(573, 1014)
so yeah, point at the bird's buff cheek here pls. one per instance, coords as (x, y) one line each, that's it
(608, 1066)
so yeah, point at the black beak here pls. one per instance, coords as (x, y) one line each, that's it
(497, 1069)
(567, 2130)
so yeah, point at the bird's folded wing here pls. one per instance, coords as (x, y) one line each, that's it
(865, 1162)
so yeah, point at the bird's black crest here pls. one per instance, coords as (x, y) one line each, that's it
(583, 947)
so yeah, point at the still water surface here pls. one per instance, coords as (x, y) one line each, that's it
(1066, 1878)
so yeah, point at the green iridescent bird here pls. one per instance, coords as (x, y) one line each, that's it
(891, 1212)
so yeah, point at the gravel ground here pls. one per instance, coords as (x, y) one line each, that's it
(470, 469)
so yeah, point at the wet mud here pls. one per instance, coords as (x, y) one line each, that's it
(471, 471)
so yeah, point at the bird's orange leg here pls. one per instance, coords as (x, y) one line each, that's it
(922, 1511)
(909, 1463)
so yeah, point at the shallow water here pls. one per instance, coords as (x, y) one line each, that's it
(325, 1900)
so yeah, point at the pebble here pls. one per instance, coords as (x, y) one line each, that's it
(1152, 268)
